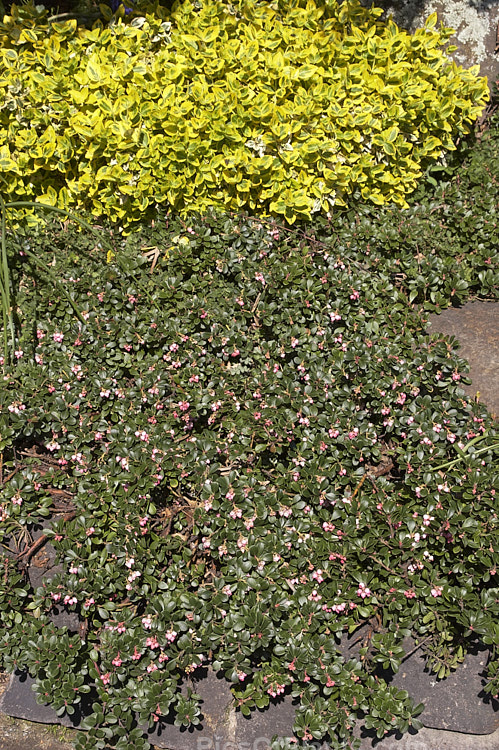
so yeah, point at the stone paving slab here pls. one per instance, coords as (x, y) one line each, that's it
(475, 327)
(456, 702)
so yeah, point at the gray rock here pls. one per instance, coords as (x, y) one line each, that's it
(217, 728)
(19, 701)
(42, 567)
(475, 327)
(256, 731)
(474, 21)
(433, 739)
(457, 703)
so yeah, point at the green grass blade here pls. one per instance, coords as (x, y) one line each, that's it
(5, 282)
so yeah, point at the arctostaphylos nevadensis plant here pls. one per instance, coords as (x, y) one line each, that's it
(245, 454)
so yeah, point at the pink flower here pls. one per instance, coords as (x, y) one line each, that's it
(58, 337)
(242, 543)
(436, 591)
(147, 622)
(363, 591)
(275, 690)
(117, 660)
(314, 596)
(105, 678)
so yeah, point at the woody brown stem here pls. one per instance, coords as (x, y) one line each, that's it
(24, 557)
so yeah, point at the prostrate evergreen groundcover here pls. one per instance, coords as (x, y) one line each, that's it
(235, 435)
(288, 107)
(244, 454)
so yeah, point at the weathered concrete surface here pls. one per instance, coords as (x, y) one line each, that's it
(476, 329)
(474, 21)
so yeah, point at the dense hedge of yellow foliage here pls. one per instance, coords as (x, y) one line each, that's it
(287, 107)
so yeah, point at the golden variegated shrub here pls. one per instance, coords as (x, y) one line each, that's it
(289, 107)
